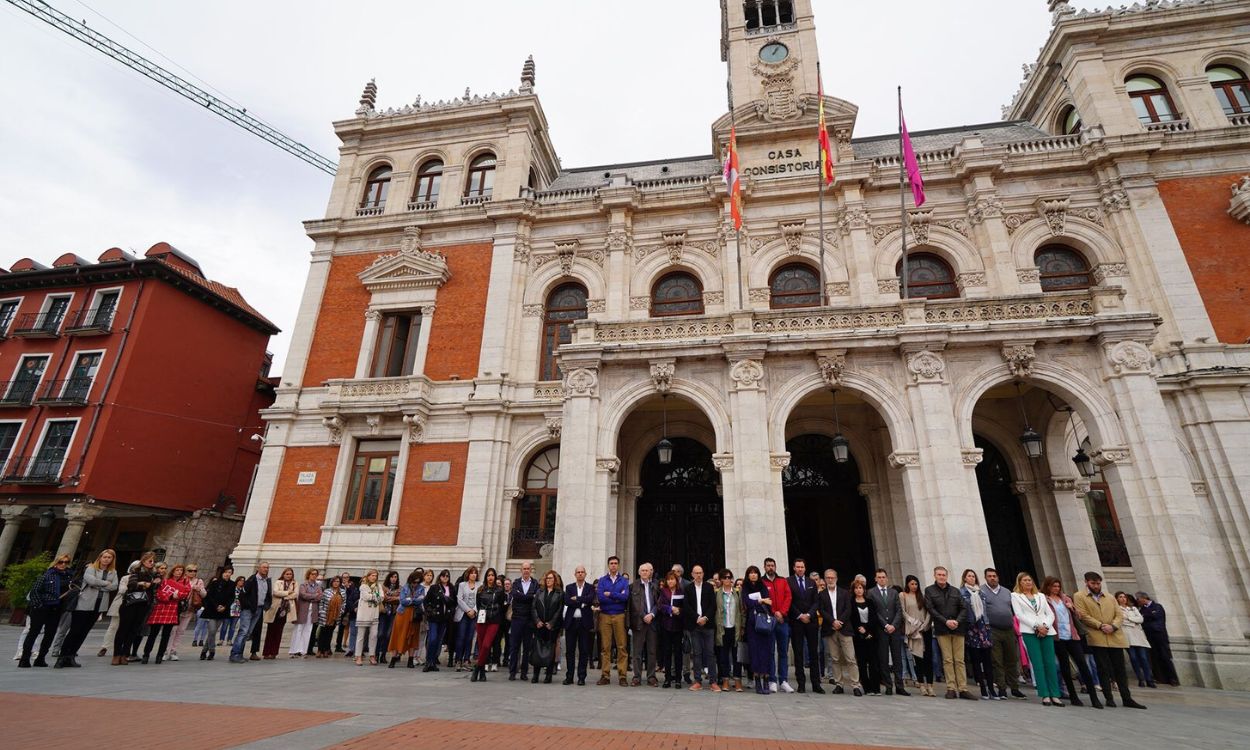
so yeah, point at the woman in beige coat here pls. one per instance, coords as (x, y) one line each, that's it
(284, 592)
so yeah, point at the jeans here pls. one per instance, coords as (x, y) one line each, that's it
(202, 626)
(45, 619)
(247, 619)
(464, 640)
(726, 656)
(225, 633)
(385, 621)
(703, 653)
(434, 642)
(781, 640)
(1139, 657)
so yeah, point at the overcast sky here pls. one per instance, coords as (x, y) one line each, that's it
(96, 156)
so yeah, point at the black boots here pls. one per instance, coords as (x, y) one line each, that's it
(479, 674)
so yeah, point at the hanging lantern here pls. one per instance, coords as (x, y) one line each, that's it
(1032, 442)
(664, 449)
(841, 449)
(1083, 464)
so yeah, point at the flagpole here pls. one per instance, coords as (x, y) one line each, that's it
(902, 193)
(733, 126)
(820, 193)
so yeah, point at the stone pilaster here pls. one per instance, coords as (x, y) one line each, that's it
(755, 522)
(76, 517)
(13, 517)
(581, 522)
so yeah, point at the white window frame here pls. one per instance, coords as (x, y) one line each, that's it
(5, 331)
(73, 361)
(69, 307)
(21, 427)
(95, 302)
(43, 434)
(18, 368)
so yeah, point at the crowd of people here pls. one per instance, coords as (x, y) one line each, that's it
(711, 630)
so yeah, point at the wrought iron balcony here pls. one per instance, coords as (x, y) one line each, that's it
(528, 541)
(34, 470)
(44, 325)
(17, 392)
(71, 391)
(1112, 551)
(89, 322)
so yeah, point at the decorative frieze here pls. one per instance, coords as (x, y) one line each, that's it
(1064, 484)
(838, 289)
(1029, 275)
(1105, 271)
(596, 306)
(984, 208)
(760, 294)
(779, 460)
(663, 331)
(746, 374)
(609, 464)
(926, 366)
(723, 461)
(639, 303)
(888, 286)
(549, 392)
(532, 311)
(713, 298)
(1021, 310)
(970, 279)
(971, 456)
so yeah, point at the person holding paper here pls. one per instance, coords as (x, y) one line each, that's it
(489, 609)
(759, 608)
(671, 601)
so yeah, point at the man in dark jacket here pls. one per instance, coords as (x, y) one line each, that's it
(579, 601)
(257, 597)
(521, 631)
(351, 600)
(1155, 625)
(698, 613)
(889, 631)
(644, 596)
(804, 627)
(950, 623)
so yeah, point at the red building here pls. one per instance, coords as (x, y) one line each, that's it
(130, 392)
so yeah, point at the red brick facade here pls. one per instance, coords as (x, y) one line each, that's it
(1213, 243)
(431, 510)
(299, 510)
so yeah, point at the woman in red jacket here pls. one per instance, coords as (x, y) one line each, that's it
(171, 595)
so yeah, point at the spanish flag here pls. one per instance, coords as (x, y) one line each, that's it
(732, 179)
(826, 153)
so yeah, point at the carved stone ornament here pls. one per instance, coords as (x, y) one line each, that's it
(1239, 204)
(838, 289)
(410, 268)
(1019, 359)
(1055, 212)
(1105, 271)
(919, 222)
(779, 460)
(416, 427)
(747, 374)
(335, 425)
(887, 286)
(903, 459)
(780, 102)
(554, 425)
(1063, 484)
(723, 461)
(618, 240)
(972, 456)
(969, 279)
(596, 305)
(1110, 455)
(639, 303)
(372, 315)
(581, 382)
(662, 372)
(1028, 275)
(792, 232)
(985, 208)
(374, 421)
(852, 218)
(521, 250)
(513, 493)
(713, 298)
(566, 252)
(832, 367)
(1115, 200)
(926, 366)
(532, 311)
(759, 294)
(675, 244)
(549, 392)
(1130, 356)
(1023, 488)
(609, 464)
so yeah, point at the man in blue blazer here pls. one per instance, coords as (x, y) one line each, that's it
(579, 600)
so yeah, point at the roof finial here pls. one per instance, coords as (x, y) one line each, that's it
(1058, 9)
(527, 75)
(369, 97)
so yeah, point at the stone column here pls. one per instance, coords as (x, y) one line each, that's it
(1168, 533)
(369, 342)
(13, 517)
(581, 521)
(1068, 496)
(860, 271)
(945, 502)
(76, 517)
(755, 521)
(1048, 540)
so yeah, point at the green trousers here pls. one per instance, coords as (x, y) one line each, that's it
(1042, 659)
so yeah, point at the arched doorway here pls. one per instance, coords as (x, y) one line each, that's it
(1004, 517)
(826, 517)
(680, 514)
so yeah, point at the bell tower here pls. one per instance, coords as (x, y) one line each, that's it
(770, 46)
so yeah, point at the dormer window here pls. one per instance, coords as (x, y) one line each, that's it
(761, 14)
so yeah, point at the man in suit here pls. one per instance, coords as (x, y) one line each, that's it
(803, 626)
(699, 621)
(890, 633)
(579, 599)
(643, 596)
(521, 631)
(257, 597)
(834, 606)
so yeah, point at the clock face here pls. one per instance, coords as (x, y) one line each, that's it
(774, 52)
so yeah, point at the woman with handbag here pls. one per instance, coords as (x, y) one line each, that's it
(489, 608)
(863, 622)
(114, 610)
(407, 623)
(368, 606)
(386, 615)
(420, 624)
(284, 593)
(328, 613)
(307, 602)
(98, 580)
(136, 600)
(466, 617)
(760, 626)
(548, 616)
(44, 603)
(1037, 630)
(172, 595)
(188, 608)
(440, 602)
(217, 600)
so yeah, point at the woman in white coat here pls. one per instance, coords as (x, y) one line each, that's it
(368, 607)
(1037, 630)
(1138, 645)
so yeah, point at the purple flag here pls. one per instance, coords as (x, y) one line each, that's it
(913, 167)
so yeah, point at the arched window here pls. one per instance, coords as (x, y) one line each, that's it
(1231, 88)
(765, 13)
(481, 177)
(535, 521)
(565, 304)
(1061, 268)
(794, 285)
(1150, 99)
(376, 188)
(1069, 121)
(678, 293)
(429, 177)
(927, 276)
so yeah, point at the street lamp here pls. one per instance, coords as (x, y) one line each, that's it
(1081, 459)
(664, 449)
(841, 446)
(1031, 441)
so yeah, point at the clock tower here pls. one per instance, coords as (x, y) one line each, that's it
(770, 47)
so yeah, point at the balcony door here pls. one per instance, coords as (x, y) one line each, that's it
(27, 379)
(81, 376)
(53, 449)
(54, 314)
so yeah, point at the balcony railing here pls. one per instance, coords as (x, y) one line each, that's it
(38, 325)
(68, 391)
(1112, 551)
(34, 470)
(528, 541)
(422, 205)
(17, 392)
(89, 321)
(1168, 126)
(371, 210)
(474, 200)
(1239, 121)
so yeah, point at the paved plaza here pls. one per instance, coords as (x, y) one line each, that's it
(314, 703)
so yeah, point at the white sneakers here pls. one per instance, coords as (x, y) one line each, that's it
(772, 687)
(785, 687)
(173, 657)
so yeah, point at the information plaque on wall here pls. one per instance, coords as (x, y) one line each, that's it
(306, 477)
(436, 471)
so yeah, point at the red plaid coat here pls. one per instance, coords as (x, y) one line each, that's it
(170, 593)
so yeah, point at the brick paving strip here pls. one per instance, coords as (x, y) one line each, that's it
(476, 735)
(73, 723)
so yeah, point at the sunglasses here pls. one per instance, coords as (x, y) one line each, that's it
(62, 562)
